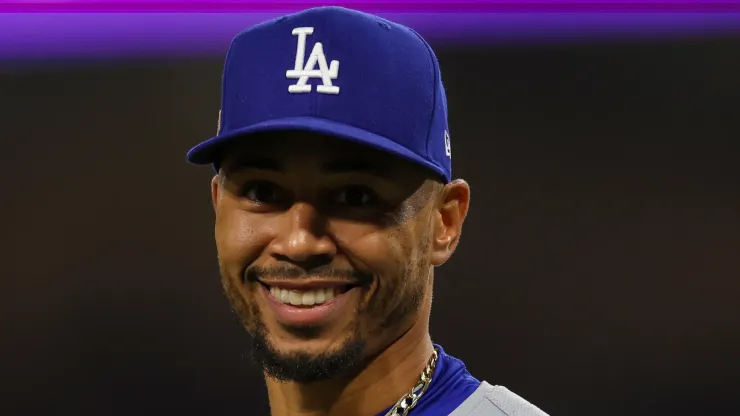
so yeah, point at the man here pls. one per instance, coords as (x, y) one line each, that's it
(334, 203)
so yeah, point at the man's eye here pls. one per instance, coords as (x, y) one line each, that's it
(263, 192)
(356, 196)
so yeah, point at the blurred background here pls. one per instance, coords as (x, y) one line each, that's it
(599, 272)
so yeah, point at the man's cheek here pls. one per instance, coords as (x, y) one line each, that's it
(387, 296)
(240, 236)
(244, 304)
(235, 298)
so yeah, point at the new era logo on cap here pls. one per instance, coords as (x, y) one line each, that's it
(284, 74)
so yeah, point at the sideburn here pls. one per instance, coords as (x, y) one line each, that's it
(414, 280)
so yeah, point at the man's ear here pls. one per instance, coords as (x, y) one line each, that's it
(215, 189)
(448, 219)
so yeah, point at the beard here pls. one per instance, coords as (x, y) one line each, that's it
(306, 368)
(352, 355)
(298, 366)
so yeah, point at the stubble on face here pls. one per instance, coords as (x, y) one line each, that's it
(382, 314)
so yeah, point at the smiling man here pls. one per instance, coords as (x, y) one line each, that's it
(334, 203)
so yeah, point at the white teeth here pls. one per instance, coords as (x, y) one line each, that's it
(295, 298)
(302, 297)
(308, 298)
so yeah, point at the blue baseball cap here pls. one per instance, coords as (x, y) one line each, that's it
(338, 72)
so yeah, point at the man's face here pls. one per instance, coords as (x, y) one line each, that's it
(324, 249)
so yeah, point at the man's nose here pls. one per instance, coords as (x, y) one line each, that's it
(302, 238)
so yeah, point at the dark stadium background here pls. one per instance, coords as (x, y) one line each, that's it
(599, 270)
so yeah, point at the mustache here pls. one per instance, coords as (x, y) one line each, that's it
(256, 273)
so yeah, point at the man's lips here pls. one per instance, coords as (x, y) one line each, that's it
(309, 306)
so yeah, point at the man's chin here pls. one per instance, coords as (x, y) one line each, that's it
(306, 361)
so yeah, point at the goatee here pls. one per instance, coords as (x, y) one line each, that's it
(303, 367)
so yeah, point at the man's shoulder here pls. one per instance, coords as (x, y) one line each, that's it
(489, 400)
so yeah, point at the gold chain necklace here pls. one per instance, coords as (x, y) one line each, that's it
(409, 400)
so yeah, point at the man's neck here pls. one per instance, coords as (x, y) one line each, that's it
(390, 375)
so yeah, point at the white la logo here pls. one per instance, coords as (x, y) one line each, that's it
(303, 73)
(448, 145)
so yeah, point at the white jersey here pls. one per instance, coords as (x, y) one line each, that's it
(489, 400)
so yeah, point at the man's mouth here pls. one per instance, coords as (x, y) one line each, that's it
(295, 295)
(296, 303)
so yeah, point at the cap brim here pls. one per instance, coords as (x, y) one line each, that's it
(211, 150)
